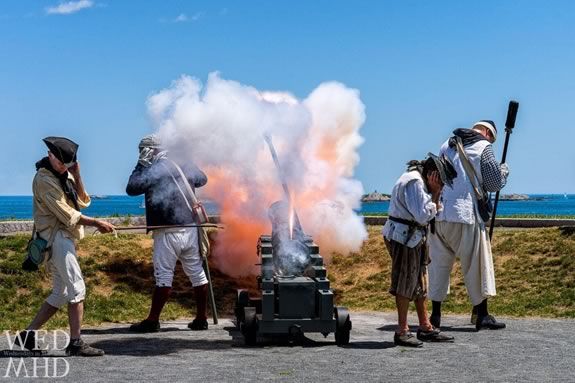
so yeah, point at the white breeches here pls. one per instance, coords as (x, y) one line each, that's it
(67, 282)
(171, 245)
(471, 245)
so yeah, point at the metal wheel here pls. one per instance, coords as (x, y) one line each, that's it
(342, 326)
(242, 301)
(249, 326)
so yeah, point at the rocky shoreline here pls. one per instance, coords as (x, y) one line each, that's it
(375, 197)
(380, 197)
(514, 197)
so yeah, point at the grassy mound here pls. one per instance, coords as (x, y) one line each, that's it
(535, 271)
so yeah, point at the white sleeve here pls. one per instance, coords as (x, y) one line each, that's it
(419, 202)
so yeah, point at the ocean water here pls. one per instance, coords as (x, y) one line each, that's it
(20, 207)
(540, 204)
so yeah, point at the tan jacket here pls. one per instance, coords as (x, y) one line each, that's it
(53, 210)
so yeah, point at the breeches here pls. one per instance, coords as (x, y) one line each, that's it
(471, 245)
(171, 245)
(67, 281)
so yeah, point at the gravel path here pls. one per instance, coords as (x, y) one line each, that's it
(529, 350)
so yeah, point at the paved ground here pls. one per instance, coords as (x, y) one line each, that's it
(529, 350)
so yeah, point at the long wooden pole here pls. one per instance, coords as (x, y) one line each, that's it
(213, 225)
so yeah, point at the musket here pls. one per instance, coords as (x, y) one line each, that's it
(509, 125)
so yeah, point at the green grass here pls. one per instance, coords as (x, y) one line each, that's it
(119, 279)
(535, 273)
(534, 270)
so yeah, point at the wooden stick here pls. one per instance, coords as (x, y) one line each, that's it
(216, 226)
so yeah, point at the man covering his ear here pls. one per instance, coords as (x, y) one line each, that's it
(157, 177)
(58, 197)
(414, 204)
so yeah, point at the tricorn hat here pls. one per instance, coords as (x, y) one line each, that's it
(444, 167)
(64, 149)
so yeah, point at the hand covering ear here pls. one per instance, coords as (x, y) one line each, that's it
(146, 157)
(160, 156)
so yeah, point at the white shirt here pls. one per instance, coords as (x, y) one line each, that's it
(411, 201)
(459, 201)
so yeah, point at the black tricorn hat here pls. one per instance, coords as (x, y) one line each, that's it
(64, 149)
(444, 167)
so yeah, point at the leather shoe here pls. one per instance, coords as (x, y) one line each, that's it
(488, 322)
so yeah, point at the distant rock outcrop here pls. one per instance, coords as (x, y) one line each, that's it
(375, 197)
(513, 197)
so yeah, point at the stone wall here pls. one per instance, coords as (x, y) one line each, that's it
(502, 222)
(14, 227)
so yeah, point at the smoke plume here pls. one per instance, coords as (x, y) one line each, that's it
(220, 127)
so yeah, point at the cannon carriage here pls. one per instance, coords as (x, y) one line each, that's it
(295, 295)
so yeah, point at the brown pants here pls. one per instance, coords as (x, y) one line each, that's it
(408, 269)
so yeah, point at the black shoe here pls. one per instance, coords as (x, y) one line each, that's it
(435, 321)
(29, 339)
(78, 347)
(407, 340)
(433, 336)
(474, 315)
(488, 322)
(198, 325)
(146, 326)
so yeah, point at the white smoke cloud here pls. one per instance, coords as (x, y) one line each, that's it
(220, 127)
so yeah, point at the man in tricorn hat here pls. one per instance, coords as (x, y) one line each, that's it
(460, 229)
(169, 211)
(414, 203)
(59, 195)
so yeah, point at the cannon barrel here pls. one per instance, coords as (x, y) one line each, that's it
(291, 254)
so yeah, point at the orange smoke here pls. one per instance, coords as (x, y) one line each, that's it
(245, 216)
(244, 219)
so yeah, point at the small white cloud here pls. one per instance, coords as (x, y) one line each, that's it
(69, 7)
(182, 18)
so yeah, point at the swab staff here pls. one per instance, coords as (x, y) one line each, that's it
(281, 175)
(207, 225)
(509, 125)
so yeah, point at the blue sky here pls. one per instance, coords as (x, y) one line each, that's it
(423, 68)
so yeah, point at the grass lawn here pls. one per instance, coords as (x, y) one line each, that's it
(535, 271)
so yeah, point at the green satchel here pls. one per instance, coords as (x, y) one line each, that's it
(36, 251)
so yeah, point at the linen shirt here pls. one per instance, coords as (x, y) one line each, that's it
(53, 210)
(410, 200)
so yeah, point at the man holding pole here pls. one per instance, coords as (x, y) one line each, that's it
(460, 229)
(168, 206)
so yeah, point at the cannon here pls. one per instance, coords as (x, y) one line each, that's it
(295, 295)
